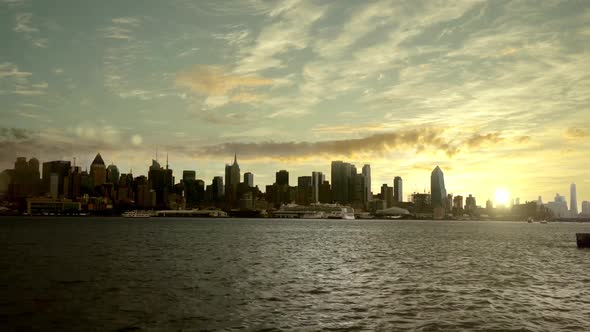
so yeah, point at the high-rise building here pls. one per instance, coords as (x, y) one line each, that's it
(232, 180)
(470, 204)
(367, 180)
(398, 193)
(387, 195)
(304, 190)
(559, 207)
(25, 179)
(282, 178)
(98, 171)
(161, 182)
(341, 173)
(317, 178)
(458, 202)
(438, 192)
(189, 175)
(113, 174)
(249, 179)
(325, 192)
(586, 208)
(54, 173)
(573, 201)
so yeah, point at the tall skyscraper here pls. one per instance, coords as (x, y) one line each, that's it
(367, 176)
(232, 180)
(398, 191)
(249, 179)
(98, 171)
(573, 201)
(341, 173)
(438, 192)
(282, 178)
(317, 178)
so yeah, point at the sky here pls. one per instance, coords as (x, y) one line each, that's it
(497, 93)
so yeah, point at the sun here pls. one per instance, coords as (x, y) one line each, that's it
(501, 196)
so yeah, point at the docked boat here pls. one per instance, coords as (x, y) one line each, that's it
(136, 214)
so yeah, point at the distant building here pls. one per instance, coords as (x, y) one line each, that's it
(98, 171)
(304, 190)
(398, 192)
(325, 193)
(188, 175)
(317, 178)
(54, 173)
(438, 192)
(559, 207)
(113, 174)
(367, 179)
(249, 179)
(489, 205)
(586, 208)
(232, 180)
(470, 204)
(340, 178)
(573, 201)
(282, 178)
(387, 195)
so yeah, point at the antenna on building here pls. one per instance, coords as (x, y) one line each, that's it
(156, 153)
(166, 160)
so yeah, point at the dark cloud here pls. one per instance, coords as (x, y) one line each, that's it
(420, 140)
(10, 134)
(576, 133)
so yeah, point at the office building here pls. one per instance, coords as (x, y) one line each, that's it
(438, 193)
(282, 178)
(367, 182)
(398, 191)
(249, 179)
(98, 171)
(573, 201)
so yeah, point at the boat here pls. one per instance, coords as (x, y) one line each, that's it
(136, 214)
(543, 221)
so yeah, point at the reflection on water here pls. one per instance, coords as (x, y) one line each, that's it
(179, 274)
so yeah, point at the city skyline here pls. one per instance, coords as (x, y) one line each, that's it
(495, 92)
(500, 198)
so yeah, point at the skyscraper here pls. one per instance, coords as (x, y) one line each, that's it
(367, 176)
(232, 180)
(113, 174)
(282, 178)
(398, 190)
(573, 201)
(249, 179)
(341, 173)
(98, 171)
(304, 190)
(54, 173)
(438, 192)
(317, 178)
(189, 176)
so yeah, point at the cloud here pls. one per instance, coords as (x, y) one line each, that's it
(376, 144)
(10, 134)
(214, 81)
(15, 81)
(576, 133)
(126, 21)
(23, 23)
(478, 140)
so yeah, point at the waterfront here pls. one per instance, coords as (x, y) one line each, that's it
(206, 274)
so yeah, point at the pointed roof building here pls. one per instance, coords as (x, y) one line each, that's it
(98, 160)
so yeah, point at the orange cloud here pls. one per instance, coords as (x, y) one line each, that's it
(214, 81)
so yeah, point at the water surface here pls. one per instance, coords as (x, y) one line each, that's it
(113, 274)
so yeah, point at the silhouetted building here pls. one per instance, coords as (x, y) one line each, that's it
(54, 173)
(586, 208)
(249, 179)
(367, 183)
(387, 195)
(189, 176)
(398, 191)
(489, 205)
(98, 171)
(25, 179)
(422, 202)
(161, 182)
(325, 193)
(232, 180)
(458, 202)
(470, 204)
(341, 173)
(573, 201)
(438, 192)
(113, 174)
(282, 178)
(304, 190)
(317, 178)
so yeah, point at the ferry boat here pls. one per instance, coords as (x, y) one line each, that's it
(136, 214)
